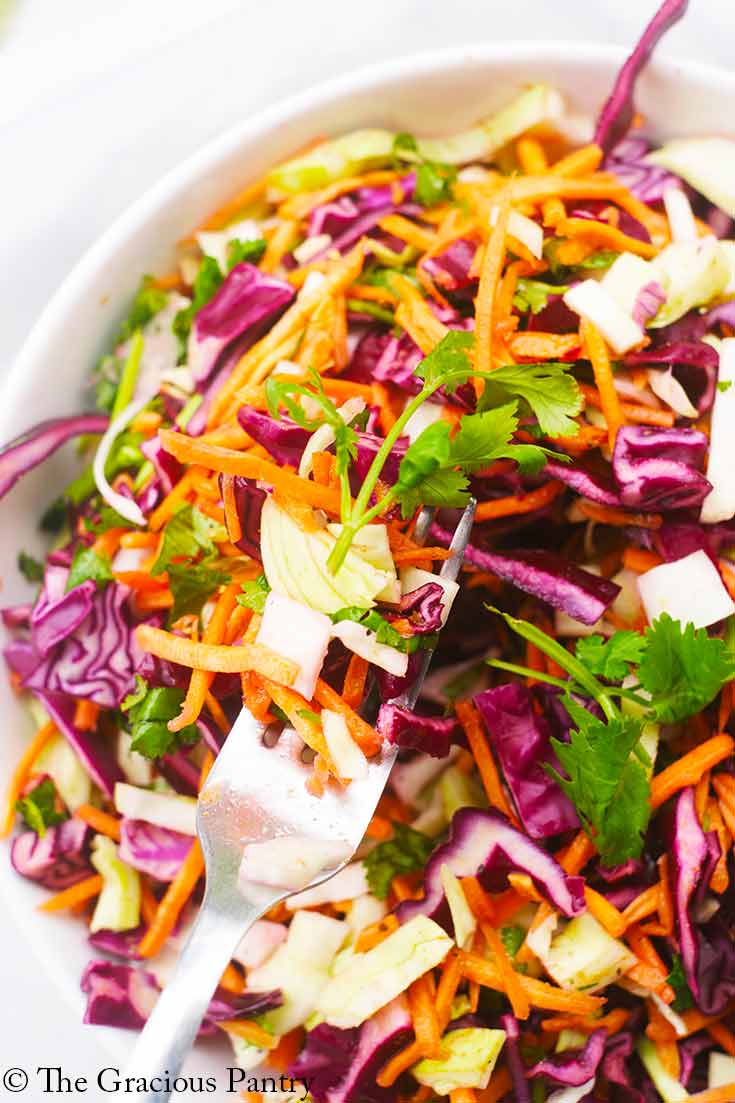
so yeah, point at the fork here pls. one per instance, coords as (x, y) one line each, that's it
(256, 793)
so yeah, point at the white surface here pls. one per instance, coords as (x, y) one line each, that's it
(97, 100)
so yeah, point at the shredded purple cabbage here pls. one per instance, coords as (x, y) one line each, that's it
(58, 859)
(483, 844)
(616, 117)
(154, 850)
(658, 468)
(521, 740)
(433, 735)
(35, 445)
(545, 575)
(247, 299)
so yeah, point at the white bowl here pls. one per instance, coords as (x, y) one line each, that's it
(429, 94)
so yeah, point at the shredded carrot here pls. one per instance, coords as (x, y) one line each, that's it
(688, 769)
(416, 317)
(720, 877)
(723, 1036)
(612, 1022)
(580, 162)
(463, 1095)
(645, 904)
(287, 1050)
(173, 902)
(519, 999)
(612, 515)
(668, 1055)
(531, 156)
(492, 267)
(407, 231)
(525, 887)
(353, 689)
(449, 981)
(600, 359)
(250, 1030)
(469, 718)
(605, 913)
(22, 772)
(379, 828)
(539, 994)
(192, 450)
(232, 980)
(725, 1094)
(519, 503)
(575, 857)
(423, 1015)
(85, 715)
(232, 517)
(107, 543)
(641, 415)
(544, 346)
(102, 822)
(375, 933)
(281, 241)
(640, 560)
(217, 658)
(364, 735)
(500, 1084)
(398, 1065)
(414, 555)
(138, 540)
(605, 235)
(78, 894)
(201, 680)
(259, 360)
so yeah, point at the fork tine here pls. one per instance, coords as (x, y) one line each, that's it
(450, 569)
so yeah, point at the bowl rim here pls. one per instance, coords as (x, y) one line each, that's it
(81, 276)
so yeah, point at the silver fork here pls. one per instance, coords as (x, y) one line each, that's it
(256, 793)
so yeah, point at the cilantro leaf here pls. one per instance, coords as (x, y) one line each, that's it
(724, 385)
(39, 808)
(606, 780)
(148, 301)
(239, 251)
(601, 259)
(384, 630)
(448, 363)
(678, 981)
(683, 670)
(30, 568)
(433, 178)
(512, 939)
(610, 658)
(533, 295)
(188, 533)
(207, 283)
(254, 594)
(405, 852)
(551, 393)
(88, 564)
(192, 584)
(149, 711)
(108, 518)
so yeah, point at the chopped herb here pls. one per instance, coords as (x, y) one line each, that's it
(677, 979)
(188, 534)
(207, 283)
(149, 711)
(148, 301)
(192, 584)
(611, 658)
(254, 594)
(30, 568)
(88, 564)
(533, 295)
(724, 385)
(40, 807)
(407, 851)
(240, 251)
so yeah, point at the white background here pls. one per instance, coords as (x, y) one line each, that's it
(99, 97)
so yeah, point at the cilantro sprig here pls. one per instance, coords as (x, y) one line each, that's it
(669, 673)
(435, 468)
(434, 179)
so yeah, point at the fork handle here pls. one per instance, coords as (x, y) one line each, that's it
(172, 1027)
